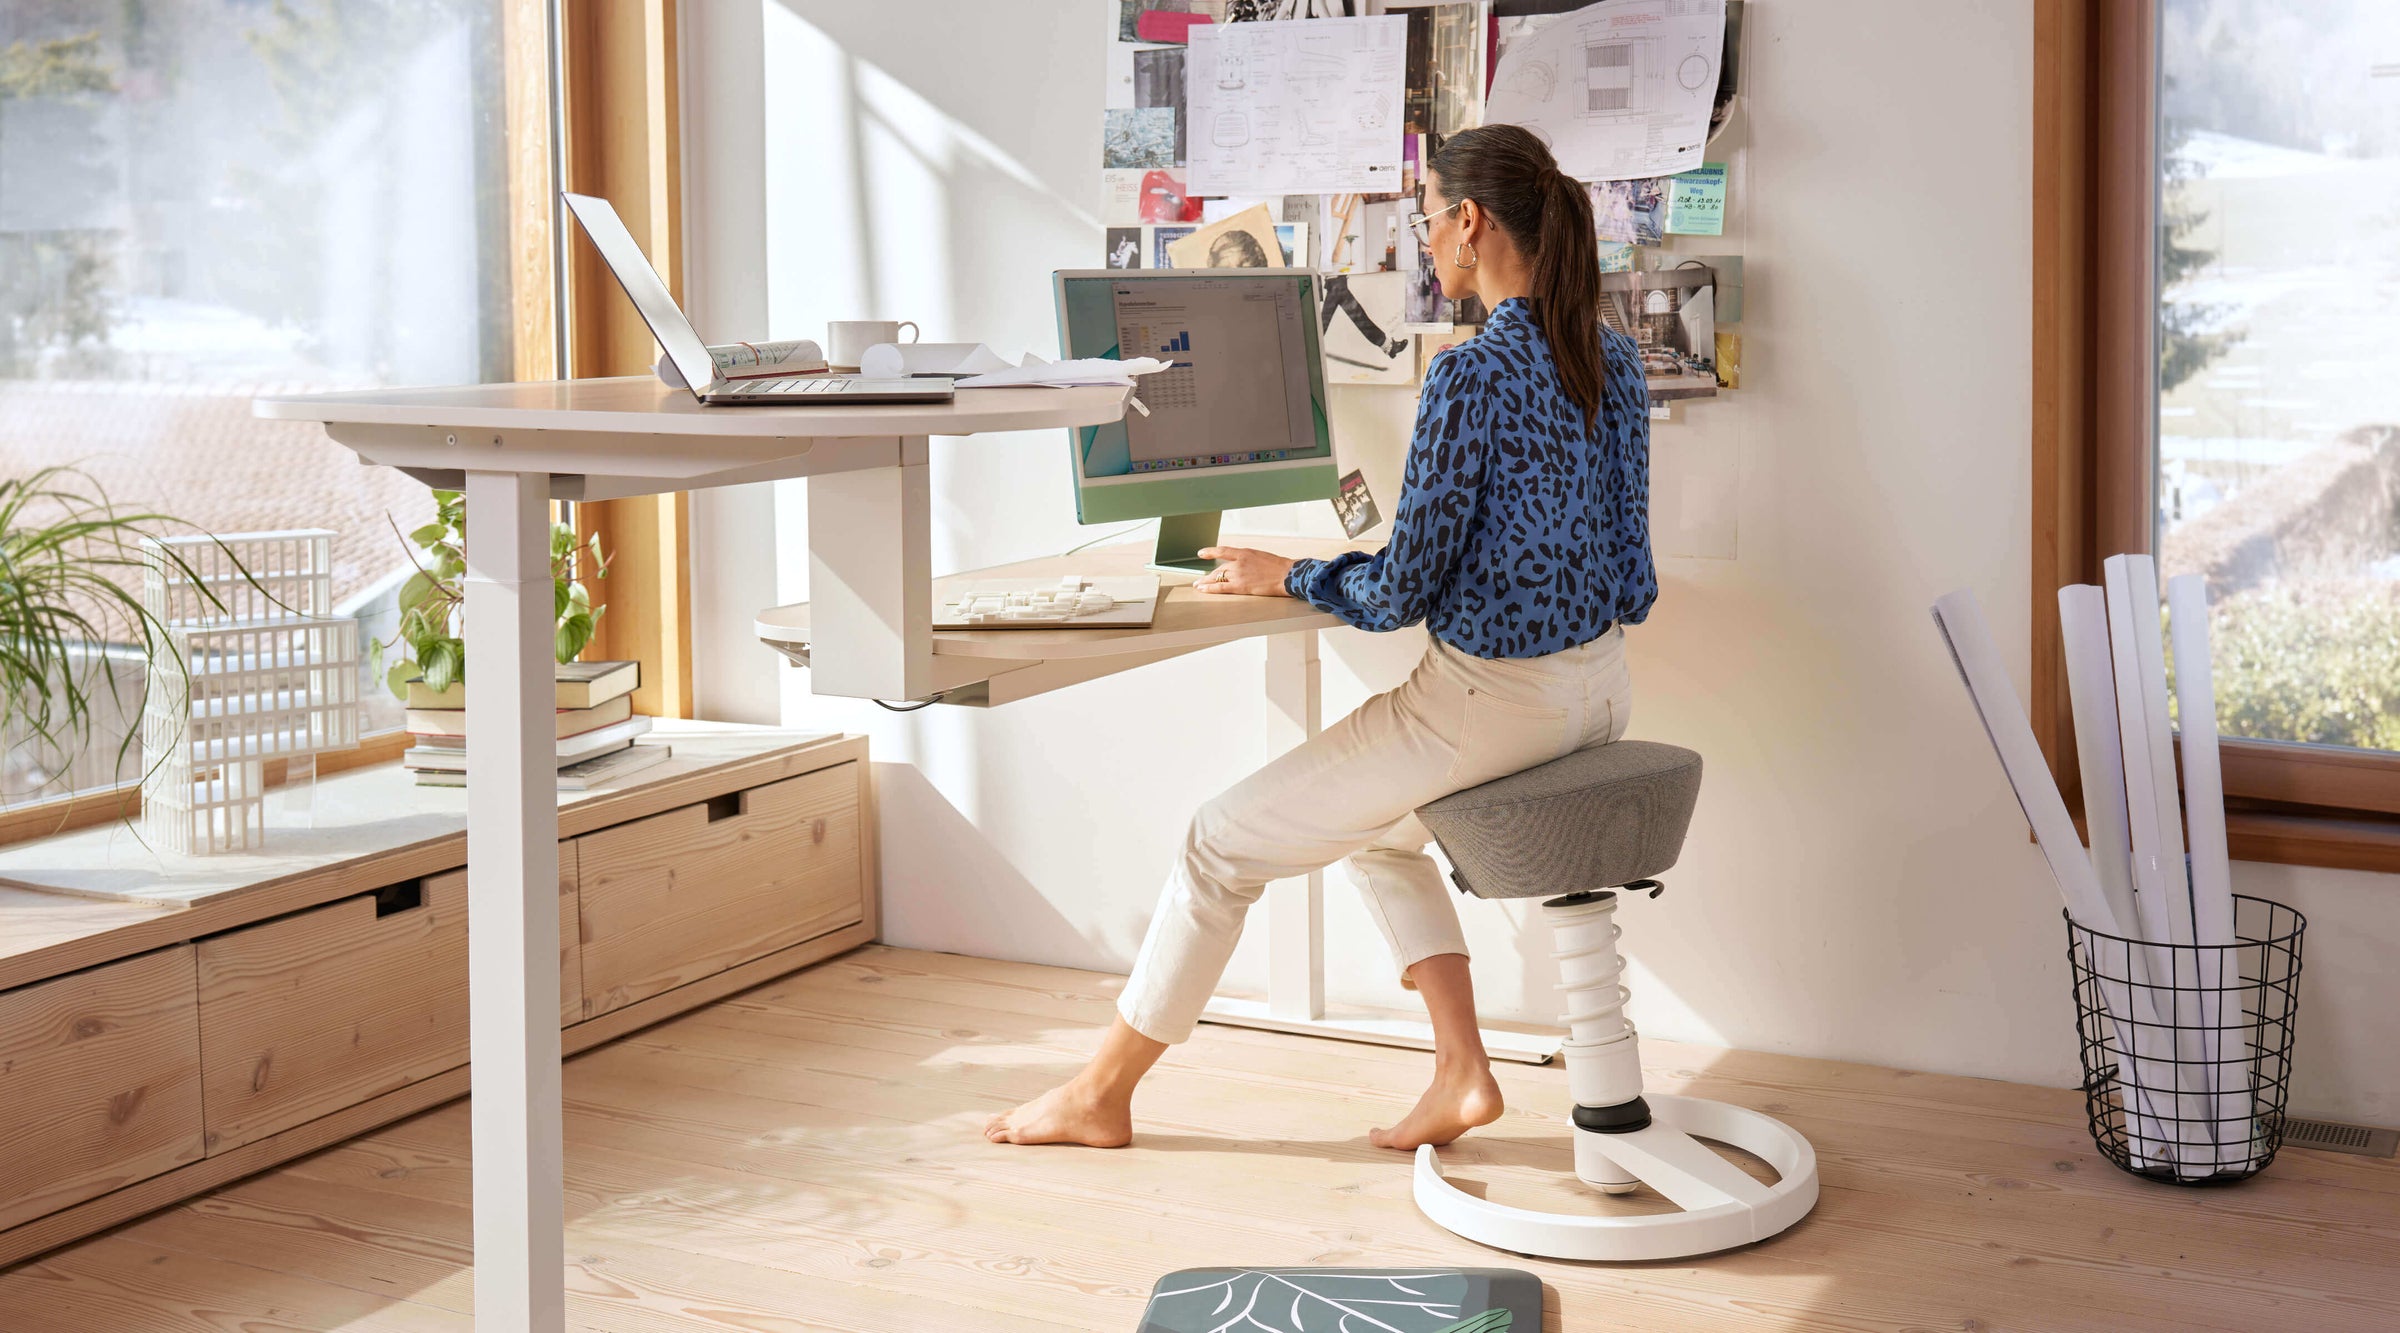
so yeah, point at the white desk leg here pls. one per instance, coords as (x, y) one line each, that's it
(1296, 912)
(870, 579)
(1296, 907)
(512, 908)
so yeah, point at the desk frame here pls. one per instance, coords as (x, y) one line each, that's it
(512, 449)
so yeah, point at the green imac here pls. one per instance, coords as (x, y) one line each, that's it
(1236, 422)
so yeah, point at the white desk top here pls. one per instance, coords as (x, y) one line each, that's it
(641, 405)
(632, 434)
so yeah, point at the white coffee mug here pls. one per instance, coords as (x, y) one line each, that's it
(846, 340)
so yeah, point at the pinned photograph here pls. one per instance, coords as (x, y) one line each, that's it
(1632, 212)
(1355, 505)
(1158, 82)
(1248, 239)
(1124, 247)
(1156, 239)
(1672, 315)
(1729, 359)
(1162, 197)
(1363, 235)
(1138, 137)
(1121, 198)
(1696, 202)
(1425, 309)
(1728, 269)
(1444, 65)
(1360, 323)
(1431, 345)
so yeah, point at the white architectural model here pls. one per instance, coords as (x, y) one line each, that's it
(268, 672)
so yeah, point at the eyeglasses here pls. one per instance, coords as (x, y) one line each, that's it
(1422, 223)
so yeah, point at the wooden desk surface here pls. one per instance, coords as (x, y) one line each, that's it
(1186, 619)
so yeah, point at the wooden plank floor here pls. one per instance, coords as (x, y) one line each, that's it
(804, 1155)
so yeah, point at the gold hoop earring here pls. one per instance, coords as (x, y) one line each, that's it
(1463, 255)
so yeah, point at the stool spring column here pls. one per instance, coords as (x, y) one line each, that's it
(1603, 1057)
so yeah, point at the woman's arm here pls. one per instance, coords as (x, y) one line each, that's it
(1439, 495)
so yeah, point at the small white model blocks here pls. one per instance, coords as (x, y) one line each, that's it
(268, 673)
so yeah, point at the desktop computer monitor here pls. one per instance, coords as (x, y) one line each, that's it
(1237, 421)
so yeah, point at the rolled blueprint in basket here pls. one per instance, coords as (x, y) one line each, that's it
(752, 361)
(1959, 617)
(2154, 819)
(2224, 1034)
(2091, 685)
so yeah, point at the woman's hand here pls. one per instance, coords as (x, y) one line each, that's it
(1244, 571)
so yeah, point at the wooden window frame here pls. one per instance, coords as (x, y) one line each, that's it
(621, 131)
(2095, 210)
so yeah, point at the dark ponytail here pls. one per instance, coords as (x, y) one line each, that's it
(1510, 174)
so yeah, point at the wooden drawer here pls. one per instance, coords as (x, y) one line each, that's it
(681, 895)
(309, 1013)
(99, 1082)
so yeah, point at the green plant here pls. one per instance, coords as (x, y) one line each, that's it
(63, 551)
(2312, 662)
(432, 601)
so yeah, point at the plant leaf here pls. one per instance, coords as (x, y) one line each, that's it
(443, 660)
(573, 633)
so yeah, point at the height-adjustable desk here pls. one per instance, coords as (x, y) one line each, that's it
(513, 448)
(867, 633)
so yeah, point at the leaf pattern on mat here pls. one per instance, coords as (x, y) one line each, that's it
(1322, 1300)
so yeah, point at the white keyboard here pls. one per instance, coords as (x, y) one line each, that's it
(1093, 603)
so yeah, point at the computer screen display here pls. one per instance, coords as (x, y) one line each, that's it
(1244, 390)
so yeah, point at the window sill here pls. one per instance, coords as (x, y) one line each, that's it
(65, 814)
(2301, 836)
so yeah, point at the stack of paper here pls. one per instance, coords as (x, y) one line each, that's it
(894, 360)
(1066, 374)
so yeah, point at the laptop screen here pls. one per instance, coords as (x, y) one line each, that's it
(642, 285)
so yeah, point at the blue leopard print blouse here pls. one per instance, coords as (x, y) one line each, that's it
(1516, 535)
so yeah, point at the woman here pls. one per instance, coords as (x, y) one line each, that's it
(1522, 542)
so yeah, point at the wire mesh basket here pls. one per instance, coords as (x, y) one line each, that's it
(2187, 1048)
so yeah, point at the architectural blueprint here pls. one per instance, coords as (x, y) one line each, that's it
(1621, 89)
(1297, 107)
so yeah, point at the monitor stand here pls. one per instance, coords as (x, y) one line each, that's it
(1181, 539)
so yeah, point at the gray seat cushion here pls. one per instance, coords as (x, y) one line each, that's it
(1599, 818)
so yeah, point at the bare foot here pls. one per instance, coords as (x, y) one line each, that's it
(1454, 1104)
(1072, 1112)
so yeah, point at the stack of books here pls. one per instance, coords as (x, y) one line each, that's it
(596, 728)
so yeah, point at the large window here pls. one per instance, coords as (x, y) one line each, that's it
(2278, 449)
(200, 199)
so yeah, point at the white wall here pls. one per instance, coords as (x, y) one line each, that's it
(1858, 884)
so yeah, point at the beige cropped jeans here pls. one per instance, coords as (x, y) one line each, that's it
(1352, 792)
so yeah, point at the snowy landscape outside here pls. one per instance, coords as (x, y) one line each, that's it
(2279, 410)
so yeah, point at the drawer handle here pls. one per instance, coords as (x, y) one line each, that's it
(724, 807)
(399, 897)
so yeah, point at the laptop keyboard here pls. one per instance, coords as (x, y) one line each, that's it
(819, 384)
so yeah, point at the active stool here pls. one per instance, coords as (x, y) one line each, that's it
(1604, 818)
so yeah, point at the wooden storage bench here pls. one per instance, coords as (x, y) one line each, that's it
(168, 1024)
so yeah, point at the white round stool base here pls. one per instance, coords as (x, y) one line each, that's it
(1722, 1206)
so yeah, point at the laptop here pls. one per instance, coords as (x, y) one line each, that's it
(683, 346)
